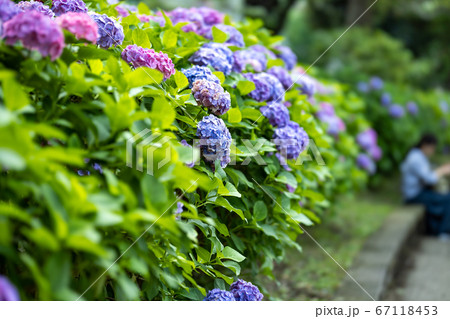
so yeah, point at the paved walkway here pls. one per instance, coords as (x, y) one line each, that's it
(429, 275)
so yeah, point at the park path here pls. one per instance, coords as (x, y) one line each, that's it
(429, 275)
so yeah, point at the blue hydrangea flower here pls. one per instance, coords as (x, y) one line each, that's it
(386, 99)
(216, 55)
(245, 291)
(282, 75)
(7, 290)
(308, 86)
(215, 140)
(376, 83)
(8, 9)
(234, 36)
(276, 113)
(267, 87)
(444, 106)
(243, 58)
(211, 95)
(396, 111)
(366, 163)
(260, 48)
(285, 53)
(290, 140)
(219, 295)
(199, 73)
(62, 6)
(110, 31)
(412, 108)
(363, 87)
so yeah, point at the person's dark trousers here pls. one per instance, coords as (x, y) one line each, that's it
(437, 210)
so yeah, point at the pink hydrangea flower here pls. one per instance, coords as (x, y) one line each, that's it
(80, 24)
(138, 56)
(36, 31)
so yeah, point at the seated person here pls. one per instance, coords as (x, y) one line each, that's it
(418, 180)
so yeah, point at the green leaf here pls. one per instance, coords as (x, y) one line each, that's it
(234, 115)
(140, 38)
(287, 178)
(13, 94)
(220, 75)
(203, 255)
(11, 160)
(218, 35)
(170, 38)
(162, 113)
(234, 266)
(259, 210)
(143, 9)
(245, 87)
(230, 253)
(181, 80)
(143, 76)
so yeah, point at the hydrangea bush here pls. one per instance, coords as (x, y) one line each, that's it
(85, 133)
(400, 115)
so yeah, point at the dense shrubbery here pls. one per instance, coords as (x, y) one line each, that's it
(76, 220)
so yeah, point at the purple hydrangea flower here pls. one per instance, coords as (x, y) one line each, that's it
(7, 290)
(367, 139)
(366, 163)
(184, 143)
(215, 54)
(8, 9)
(386, 99)
(234, 36)
(219, 295)
(79, 24)
(36, 32)
(327, 115)
(36, 6)
(376, 83)
(62, 6)
(267, 87)
(375, 152)
(290, 140)
(290, 189)
(412, 108)
(363, 87)
(199, 73)
(245, 291)
(138, 57)
(243, 58)
(396, 111)
(282, 75)
(276, 113)
(211, 95)
(210, 16)
(285, 53)
(282, 161)
(196, 21)
(260, 48)
(179, 210)
(215, 140)
(110, 31)
(308, 85)
(122, 11)
(148, 18)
